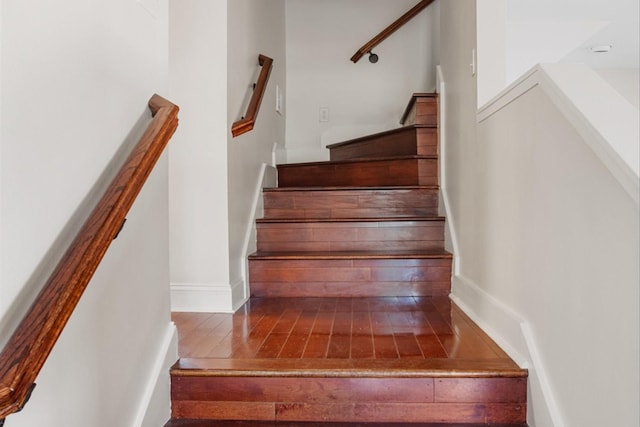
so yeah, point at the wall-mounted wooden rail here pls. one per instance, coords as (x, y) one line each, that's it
(28, 348)
(367, 47)
(247, 122)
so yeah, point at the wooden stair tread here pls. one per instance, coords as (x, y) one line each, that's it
(349, 321)
(421, 254)
(372, 189)
(257, 375)
(376, 219)
(347, 161)
(401, 129)
(348, 368)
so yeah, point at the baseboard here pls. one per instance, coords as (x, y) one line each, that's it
(267, 177)
(202, 298)
(239, 294)
(155, 405)
(513, 334)
(444, 206)
(542, 408)
(501, 323)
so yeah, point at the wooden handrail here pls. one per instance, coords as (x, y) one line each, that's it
(28, 348)
(247, 122)
(367, 47)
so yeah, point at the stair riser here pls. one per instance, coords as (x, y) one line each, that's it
(398, 172)
(350, 278)
(449, 400)
(350, 236)
(350, 203)
(424, 112)
(409, 142)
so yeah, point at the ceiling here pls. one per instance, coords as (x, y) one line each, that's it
(586, 23)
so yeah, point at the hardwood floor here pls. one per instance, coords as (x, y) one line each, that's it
(349, 320)
(385, 328)
(388, 359)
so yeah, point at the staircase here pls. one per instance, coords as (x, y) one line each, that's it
(362, 227)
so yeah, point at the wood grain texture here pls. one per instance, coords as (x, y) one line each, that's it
(349, 319)
(318, 319)
(29, 346)
(323, 277)
(380, 172)
(246, 124)
(347, 399)
(350, 234)
(338, 400)
(323, 203)
(347, 360)
(421, 110)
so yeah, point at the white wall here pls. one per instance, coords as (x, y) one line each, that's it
(491, 55)
(215, 180)
(547, 238)
(543, 31)
(625, 80)
(75, 80)
(530, 42)
(460, 103)
(362, 97)
(198, 156)
(515, 35)
(255, 27)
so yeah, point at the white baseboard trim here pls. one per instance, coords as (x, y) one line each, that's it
(542, 408)
(514, 335)
(239, 294)
(451, 239)
(202, 298)
(267, 177)
(155, 404)
(256, 210)
(499, 322)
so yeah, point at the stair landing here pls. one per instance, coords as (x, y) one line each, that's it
(387, 359)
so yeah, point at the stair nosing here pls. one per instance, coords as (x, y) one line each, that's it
(358, 219)
(334, 368)
(357, 188)
(334, 255)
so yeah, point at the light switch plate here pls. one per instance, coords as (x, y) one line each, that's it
(474, 62)
(324, 115)
(278, 100)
